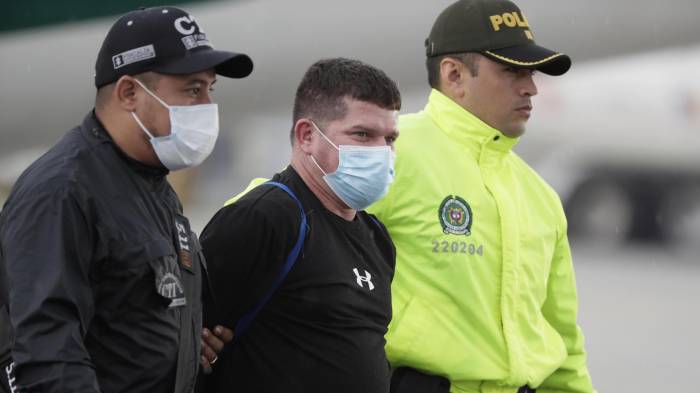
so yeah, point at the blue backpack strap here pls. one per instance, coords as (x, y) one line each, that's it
(246, 319)
(375, 221)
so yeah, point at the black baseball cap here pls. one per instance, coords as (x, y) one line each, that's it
(496, 29)
(167, 40)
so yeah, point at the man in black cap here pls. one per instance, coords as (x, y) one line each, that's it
(105, 275)
(484, 295)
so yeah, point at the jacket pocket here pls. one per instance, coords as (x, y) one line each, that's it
(435, 335)
(136, 276)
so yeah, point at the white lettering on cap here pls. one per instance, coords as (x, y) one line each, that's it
(182, 21)
(133, 55)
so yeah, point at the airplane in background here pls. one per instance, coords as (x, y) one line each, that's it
(617, 137)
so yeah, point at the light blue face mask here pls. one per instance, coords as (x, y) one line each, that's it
(364, 173)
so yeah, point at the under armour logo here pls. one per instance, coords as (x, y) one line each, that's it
(366, 278)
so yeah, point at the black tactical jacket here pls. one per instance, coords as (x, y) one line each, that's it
(105, 275)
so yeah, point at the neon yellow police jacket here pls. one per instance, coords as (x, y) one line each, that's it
(484, 292)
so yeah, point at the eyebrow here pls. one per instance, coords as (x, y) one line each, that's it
(200, 81)
(360, 127)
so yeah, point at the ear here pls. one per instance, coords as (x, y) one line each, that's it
(452, 77)
(303, 135)
(125, 93)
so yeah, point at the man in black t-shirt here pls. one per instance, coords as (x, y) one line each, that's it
(320, 327)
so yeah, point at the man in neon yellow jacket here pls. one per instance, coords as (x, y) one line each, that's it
(484, 293)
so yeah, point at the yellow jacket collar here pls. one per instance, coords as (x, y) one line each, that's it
(465, 128)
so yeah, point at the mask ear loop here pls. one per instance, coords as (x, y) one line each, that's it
(152, 94)
(328, 140)
(319, 167)
(133, 114)
(324, 135)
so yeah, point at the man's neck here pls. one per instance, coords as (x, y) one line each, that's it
(127, 137)
(307, 171)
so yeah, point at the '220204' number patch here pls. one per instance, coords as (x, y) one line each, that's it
(457, 247)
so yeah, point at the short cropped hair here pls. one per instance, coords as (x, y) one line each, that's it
(470, 59)
(327, 83)
(149, 78)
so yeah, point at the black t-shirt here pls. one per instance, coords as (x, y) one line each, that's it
(323, 329)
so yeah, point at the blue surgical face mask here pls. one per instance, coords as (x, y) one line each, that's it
(364, 173)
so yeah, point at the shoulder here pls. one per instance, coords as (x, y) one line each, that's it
(44, 197)
(60, 166)
(268, 200)
(52, 176)
(263, 205)
(534, 180)
(415, 118)
(380, 235)
(418, 132)
(540, 194)
(418, 149)
(375, 225)
(411, 123)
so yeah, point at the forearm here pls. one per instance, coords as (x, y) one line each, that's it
(47, 252)
(561, 310)
(571, 377)
(55, 377)
(7, 379)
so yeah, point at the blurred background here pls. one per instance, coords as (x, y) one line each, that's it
(618, 136)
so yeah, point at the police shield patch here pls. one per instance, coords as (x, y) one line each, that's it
(455, 216)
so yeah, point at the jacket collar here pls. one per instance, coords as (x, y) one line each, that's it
(466, 129)
(95, 133)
